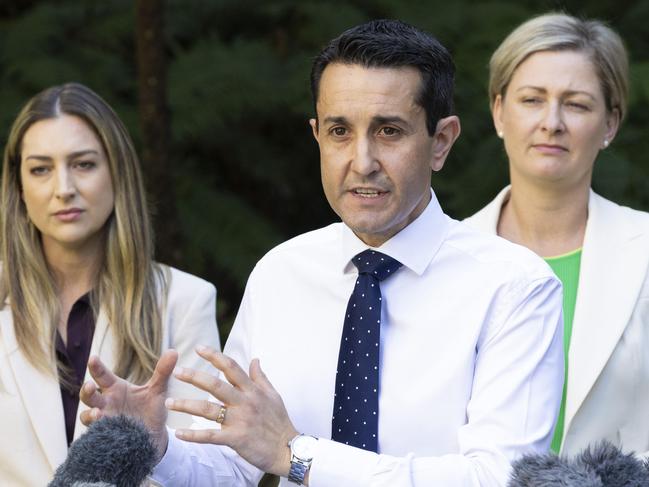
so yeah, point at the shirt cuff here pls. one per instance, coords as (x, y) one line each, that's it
(171, 461)
(340, 465)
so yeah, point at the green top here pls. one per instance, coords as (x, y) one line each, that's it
(566, 267)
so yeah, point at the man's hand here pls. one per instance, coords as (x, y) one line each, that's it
(112, 395)
(256, 423)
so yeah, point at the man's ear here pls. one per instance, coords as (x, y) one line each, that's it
(314, 127)
(446, 132)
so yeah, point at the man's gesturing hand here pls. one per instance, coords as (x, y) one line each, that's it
(112, 395)
(256, 424)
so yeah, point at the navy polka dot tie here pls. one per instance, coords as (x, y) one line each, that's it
(356, 404)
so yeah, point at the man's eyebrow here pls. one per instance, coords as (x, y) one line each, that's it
(335, 120)
(376, 120)
(382, 120)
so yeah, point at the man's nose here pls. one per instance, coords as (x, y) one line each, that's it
(365, 158)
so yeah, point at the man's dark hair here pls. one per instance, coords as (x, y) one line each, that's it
(395, 44)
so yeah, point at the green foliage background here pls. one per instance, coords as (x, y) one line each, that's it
(245, 166)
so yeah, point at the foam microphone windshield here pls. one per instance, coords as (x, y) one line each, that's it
(599, 465)
(551, 471)
(116, 451)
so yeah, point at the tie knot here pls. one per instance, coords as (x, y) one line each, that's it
(376, 264)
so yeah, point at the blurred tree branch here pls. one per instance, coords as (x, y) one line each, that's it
(154, 123)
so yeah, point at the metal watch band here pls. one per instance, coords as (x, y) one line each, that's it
(297, 472)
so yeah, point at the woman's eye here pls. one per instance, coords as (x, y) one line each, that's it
(85, 164)
(39, 170)
(577, 106)
(531, 101)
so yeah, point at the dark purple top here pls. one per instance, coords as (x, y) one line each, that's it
(81, 327)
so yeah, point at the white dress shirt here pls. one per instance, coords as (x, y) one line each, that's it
(471, 357)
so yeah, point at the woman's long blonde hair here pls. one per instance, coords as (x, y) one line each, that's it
(130, 285)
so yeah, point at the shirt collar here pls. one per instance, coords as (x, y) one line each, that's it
(414, 246)
(84, 303)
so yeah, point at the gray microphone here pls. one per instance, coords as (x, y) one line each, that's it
(116, 451)
(599, 465)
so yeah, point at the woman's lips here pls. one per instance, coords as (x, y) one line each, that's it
(550, 148)
(69, 215)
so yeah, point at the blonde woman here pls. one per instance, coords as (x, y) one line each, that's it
(558, 91)
(78, 278)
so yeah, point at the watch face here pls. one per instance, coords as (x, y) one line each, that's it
(303, 447)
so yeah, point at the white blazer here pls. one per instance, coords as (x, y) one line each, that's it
(32, 430)
(608, 361)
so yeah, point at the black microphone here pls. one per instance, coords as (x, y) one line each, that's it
(116, 451)
(599, 465)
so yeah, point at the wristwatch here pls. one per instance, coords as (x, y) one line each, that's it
(302, 449)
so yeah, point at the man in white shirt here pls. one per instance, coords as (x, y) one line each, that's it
(462, 364)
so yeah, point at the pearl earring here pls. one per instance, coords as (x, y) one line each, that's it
(606, 143)
(500, 134)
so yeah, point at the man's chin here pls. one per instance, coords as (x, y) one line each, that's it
(371, 231)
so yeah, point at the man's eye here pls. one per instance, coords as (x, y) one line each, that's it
(339, 131)
(389, 131)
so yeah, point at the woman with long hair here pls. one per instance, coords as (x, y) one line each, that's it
(78, 277)
(558, 91)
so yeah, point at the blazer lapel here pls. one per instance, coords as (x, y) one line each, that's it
(41, 396)
(102, 346)
(614, 253)
(486, 220)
